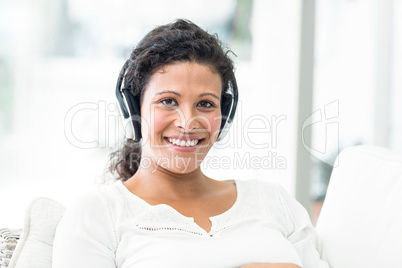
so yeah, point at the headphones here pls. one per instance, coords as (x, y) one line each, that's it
(131, 110)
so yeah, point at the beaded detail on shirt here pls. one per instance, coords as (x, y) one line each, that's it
(166, 229)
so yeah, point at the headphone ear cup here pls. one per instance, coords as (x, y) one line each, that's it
(228, 110)
(225, 126)
(133, 122)
(224, 130)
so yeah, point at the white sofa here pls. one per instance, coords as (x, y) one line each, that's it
(360, 225)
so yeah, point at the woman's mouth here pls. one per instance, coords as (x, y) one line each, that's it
(184, 143)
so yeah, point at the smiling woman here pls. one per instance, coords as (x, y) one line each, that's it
(179, 96)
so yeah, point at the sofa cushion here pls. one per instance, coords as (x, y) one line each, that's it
(360, 224)
(35, 245)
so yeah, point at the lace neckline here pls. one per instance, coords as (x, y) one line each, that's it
(220, 221)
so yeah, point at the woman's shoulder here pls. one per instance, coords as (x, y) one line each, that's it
(271, 191)
(272, 198)
(266, 188)
(88, 222)
(95, 202)
(259, 190)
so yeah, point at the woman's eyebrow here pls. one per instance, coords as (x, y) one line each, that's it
(211, 94)
(168, 91)
(178, 94)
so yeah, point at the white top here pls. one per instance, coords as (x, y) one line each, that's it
(114, 228)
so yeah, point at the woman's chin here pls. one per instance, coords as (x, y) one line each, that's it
(184, 168)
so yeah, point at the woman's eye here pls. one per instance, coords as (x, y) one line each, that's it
(169, 102)
(205, 104)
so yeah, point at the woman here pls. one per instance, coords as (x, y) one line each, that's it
(163, 211)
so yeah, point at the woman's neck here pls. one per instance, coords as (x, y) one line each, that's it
(163, 183)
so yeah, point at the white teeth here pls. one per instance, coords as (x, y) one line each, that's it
(183, 143)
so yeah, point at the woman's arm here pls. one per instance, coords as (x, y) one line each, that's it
(85, 237)
(301, 232)
(270, 265)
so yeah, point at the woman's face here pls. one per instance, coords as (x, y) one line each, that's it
(181, 116)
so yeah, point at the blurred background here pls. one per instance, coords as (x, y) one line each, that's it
(314, 77)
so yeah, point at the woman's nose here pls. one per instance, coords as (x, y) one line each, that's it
(188, 119)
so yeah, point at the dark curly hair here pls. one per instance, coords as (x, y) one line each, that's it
(180, 41)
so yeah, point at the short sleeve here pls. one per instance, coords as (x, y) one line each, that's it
(301, 232)
(85, 235)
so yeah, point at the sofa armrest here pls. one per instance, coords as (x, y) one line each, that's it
(8, 241)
